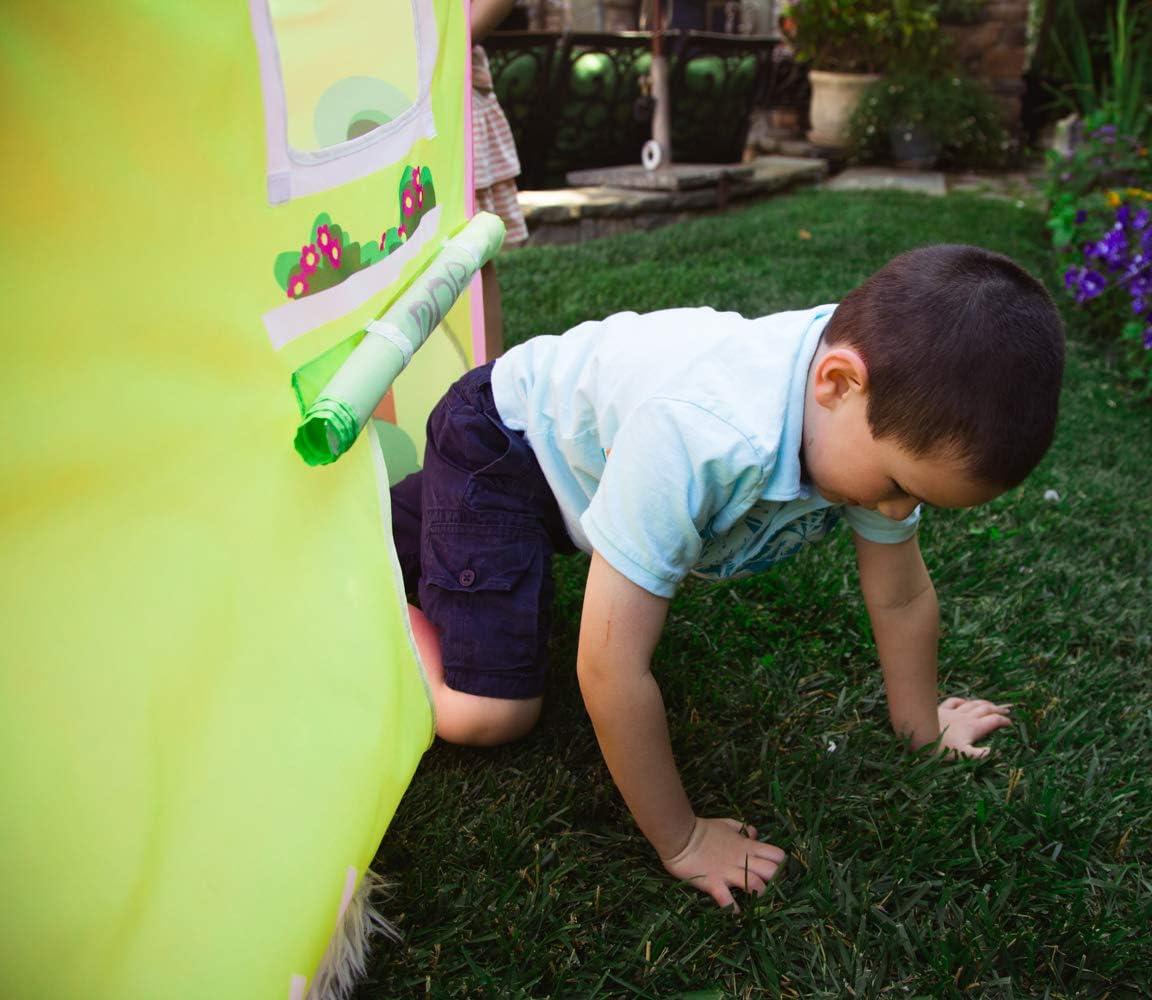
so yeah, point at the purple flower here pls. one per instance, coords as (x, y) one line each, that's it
(1081, 216)
(1120, 257)
(1112, 249)
(1092, 284)
(1085, 283)
(1137, 276)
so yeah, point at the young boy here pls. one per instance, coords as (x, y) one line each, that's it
(690, 441)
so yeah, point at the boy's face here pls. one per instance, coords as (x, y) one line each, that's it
(846, 464)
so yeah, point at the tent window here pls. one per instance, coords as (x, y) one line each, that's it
(346, 87)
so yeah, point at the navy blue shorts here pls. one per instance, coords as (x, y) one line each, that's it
(475, 530)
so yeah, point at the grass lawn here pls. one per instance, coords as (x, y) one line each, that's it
(519, 872)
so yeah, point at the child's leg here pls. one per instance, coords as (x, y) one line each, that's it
(488, 526)
(467, 718)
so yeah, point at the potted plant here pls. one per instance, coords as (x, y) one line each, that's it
(922, 121)
(848, 44)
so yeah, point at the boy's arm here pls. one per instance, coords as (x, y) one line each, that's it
(905, 618)
(619, 629)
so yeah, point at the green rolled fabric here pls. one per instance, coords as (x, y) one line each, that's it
(335, 418)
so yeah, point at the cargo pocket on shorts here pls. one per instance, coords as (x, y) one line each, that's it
(482, 584)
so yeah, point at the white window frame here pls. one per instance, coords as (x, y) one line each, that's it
(294, 173)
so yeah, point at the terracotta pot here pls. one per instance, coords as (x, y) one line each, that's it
(834, 98)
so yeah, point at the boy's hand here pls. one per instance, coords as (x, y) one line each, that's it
(965, 721)
(724, 854)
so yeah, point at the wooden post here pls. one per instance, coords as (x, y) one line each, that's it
(662, 117)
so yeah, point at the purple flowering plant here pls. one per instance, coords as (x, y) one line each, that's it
(1110, 278)
(1100, 217)
(1121, 259)
(1099, 157)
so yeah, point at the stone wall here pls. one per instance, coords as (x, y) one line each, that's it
(994, 50)
(621, 15)
(550, 15)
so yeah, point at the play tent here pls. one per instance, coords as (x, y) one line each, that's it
(211, 703)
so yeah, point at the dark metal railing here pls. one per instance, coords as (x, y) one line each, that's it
(578, 100)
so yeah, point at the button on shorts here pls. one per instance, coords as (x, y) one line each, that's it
(475, 531)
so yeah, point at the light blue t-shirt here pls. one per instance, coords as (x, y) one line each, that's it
(672, 440)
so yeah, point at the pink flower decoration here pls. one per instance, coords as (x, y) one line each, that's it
(402, 233)
(297, 286)
(419, 197)
(383, 239)
(416, 178)
(309, 259)
(407, 202)
(330, 245)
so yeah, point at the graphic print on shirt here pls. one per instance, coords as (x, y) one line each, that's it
(760, 540)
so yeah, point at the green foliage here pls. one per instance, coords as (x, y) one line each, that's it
(1099, 195)
(1108, 76)
(958, 116)
(518, 873)
(960, 11)
(866, 36)
(1100, 155)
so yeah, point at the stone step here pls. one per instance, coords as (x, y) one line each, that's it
(930, 182)
(621, 199)
(672, 177)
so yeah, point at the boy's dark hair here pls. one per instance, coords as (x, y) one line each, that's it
(965, 350)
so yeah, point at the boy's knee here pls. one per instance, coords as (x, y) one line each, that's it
(471, 720)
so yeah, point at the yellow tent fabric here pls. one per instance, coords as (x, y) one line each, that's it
(210, 702)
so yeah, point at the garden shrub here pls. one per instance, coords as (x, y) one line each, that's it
(958, 115)
(1100, 204)
(1100, 187)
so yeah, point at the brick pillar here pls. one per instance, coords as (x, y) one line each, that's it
(549, 15)
(994, 50)
(621, 15)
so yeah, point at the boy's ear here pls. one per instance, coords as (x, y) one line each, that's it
(839, 372)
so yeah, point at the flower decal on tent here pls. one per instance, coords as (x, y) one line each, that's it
(330, 255)
(309, 259)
